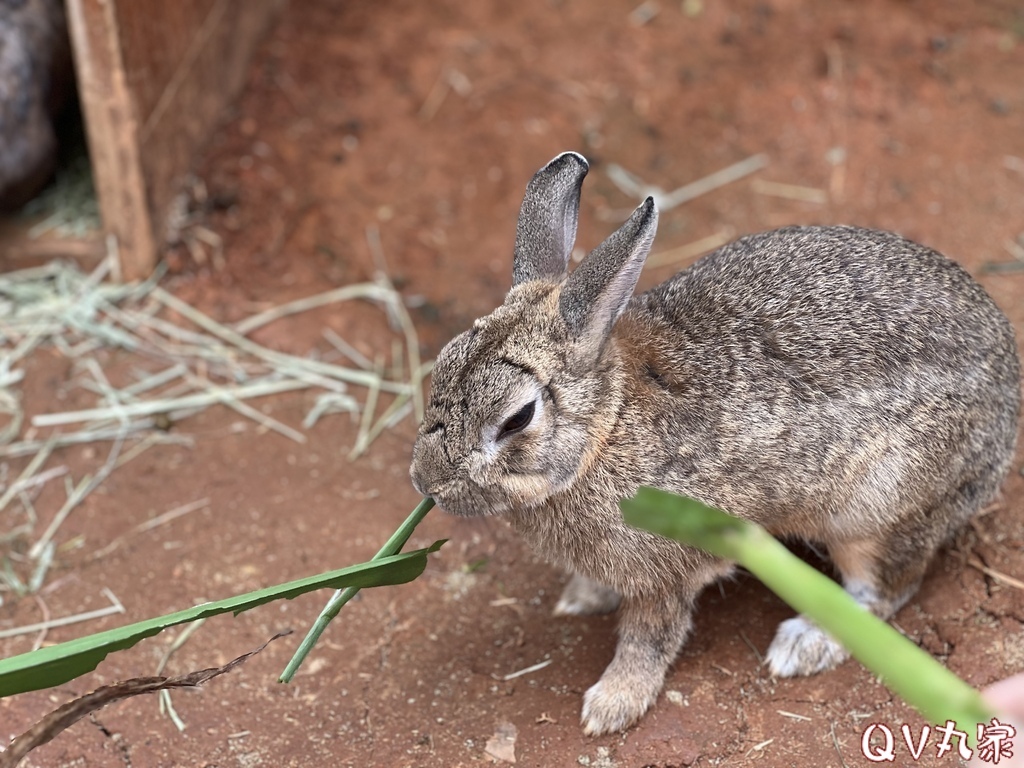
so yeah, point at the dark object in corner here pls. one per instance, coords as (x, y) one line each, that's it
(36, 80)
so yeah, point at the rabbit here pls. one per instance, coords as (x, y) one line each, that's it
(36, 78)
(835, 384)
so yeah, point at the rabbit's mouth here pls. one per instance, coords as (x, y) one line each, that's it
(476, 488)
(463, 502)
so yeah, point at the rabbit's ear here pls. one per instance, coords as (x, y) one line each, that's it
(597, 291)
(547, 220)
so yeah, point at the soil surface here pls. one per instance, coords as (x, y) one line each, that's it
(423, 121)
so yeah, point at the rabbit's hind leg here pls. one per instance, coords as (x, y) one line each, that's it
(881, 574)
(586, 597)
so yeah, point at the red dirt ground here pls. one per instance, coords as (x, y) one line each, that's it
(905, 115)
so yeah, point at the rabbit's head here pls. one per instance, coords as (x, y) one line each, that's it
(520, 404)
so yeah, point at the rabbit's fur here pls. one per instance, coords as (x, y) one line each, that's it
(841, 385)
(35, 79)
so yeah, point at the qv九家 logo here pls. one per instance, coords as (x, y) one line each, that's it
(994, 741)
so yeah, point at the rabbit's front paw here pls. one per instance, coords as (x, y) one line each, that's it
(801, 648)
(614, 703)
(585, 597)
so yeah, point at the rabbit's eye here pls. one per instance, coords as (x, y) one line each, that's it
(518, 421)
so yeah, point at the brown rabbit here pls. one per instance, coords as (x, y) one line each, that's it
(841, 385)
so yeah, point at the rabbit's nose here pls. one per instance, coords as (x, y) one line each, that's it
(421, 482)
(419, 485)
(417, 480)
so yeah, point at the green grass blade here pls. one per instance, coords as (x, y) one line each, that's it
(60, 663)
(922, 681)
(342, 596)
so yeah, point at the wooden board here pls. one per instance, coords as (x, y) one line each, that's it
(154, 78)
